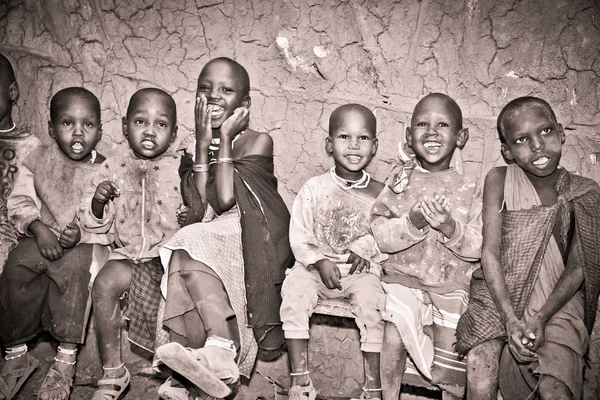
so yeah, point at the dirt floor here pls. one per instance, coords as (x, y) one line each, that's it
(89, 371)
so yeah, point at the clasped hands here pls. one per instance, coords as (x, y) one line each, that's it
(434, 212)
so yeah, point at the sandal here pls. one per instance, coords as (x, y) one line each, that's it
(298, 392)
(55, 380)
(184, 361)
(365, 390)
(112, 388)
(173, 390)
(6, 393)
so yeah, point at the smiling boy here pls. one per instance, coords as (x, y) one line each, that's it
(428, 219)
(538, 286)
(336, 255)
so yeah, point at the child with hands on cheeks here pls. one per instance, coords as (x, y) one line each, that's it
(336, 255)
(45, 284)
(134, 198)
(226, 266)
(533, 302)
(428, 220)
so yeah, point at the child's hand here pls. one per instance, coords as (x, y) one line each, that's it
(106, 191)
(416, 216)
(330, 273)
(71, 235)
(518, 340)
(437, 213)
(236, 122)
(182, 213)
(46, 241)
(358, 263)
(534, 332)
(203, 118)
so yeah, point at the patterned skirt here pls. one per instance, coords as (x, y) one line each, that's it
(217, 244)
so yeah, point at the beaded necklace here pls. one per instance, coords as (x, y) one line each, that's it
(347, 184)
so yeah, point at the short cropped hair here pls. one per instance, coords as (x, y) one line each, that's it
(517, 104)
(238, 69)
(61, 97)
(455, 108)
(156, 91)
(339, 113)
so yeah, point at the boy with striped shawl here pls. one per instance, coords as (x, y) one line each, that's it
(538, 286)
(428, 219)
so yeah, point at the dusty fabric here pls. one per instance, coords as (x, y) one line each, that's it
(425, 259)
(328, 222)
(143, 217)
(215, 242)
(426, 323)
(143, 302)
(49, 187)
(37, 294)
(264, 220)
(527, 229)
(14, 148)
(303, 287)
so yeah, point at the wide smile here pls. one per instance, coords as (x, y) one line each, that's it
(353, 158)
(77, 147)
(432, 146)
(148, 144)
(215, 110)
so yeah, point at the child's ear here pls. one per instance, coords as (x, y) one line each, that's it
(408, 136)
(462, 137)
(124, 125)
(174, 133)
(561, 132)
(506, 153)
(51, 130)
(247, 102)
(328, 145)
(99, 134)
(13, 92)
(375, 146)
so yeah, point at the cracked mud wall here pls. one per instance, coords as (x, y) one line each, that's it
(306, 57)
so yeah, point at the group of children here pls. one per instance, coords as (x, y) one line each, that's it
(440, 274)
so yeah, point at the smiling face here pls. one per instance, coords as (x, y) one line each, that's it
(225, 85)
(435, 132)
(533, 139)
(75, 126)
(352, 143)
(150, 125)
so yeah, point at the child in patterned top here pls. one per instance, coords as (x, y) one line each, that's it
(428, 219)
(135, 196)
(336, 255)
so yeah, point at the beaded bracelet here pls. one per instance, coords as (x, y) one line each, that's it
(200, 168)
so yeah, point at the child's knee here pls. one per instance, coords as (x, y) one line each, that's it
(483, 361)
(111, 282)
(552, 388)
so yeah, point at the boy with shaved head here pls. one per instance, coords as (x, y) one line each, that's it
(428, 220)
(134, 197)
(336, 255)
(15, 145)
(533, 303)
